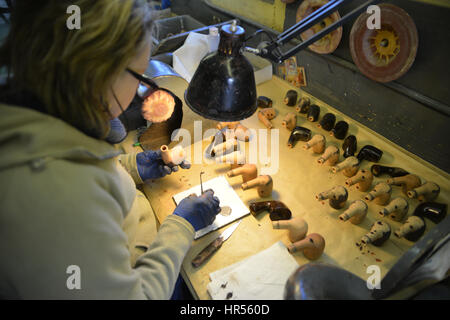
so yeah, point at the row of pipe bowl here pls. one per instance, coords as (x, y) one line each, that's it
(396, 209)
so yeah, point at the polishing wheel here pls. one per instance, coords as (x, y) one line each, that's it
(387, 53)
(328, 43)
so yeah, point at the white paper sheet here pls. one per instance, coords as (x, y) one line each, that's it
(262, 276)
(227, 196)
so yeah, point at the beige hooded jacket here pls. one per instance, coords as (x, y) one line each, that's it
(63, 200)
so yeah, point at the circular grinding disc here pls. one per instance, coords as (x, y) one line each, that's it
(385, 54)
(328, 43)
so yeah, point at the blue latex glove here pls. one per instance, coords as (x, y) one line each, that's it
(151, 166)
(199, 211)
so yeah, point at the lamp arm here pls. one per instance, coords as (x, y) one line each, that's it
(271, 50)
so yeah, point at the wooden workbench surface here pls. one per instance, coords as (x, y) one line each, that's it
(296, 183)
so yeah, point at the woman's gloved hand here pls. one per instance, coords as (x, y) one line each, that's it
(151, 166)
(199, 211)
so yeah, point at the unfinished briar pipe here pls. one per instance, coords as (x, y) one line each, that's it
(312, 246)
(330, 156)
(289, 121)
(219, 137)
(224, 148)
(356, 212)
(340, 130)
(349, 167)
(173, 157)
(277, 209)
(227, 125)
(236, 159)
(247, 171)
(379, 233)
(380, 194)
(370, 153)
(378, 170)
(303, 105)
(298, 134)
(396, 209)
(264, 102)
(313, 113)
(434, 211)
(363, 180)
(297, 228)
(317, 143)
(426, 192)
(412, 229)
(337, 197)
(291, 98)
(407, 182)
(264, 185)
(349, 146)
(265, 115)
(327, 122)
(242, 133)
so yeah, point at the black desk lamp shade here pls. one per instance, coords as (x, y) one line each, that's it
(223, 87)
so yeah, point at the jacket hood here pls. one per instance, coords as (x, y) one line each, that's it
(31, 137)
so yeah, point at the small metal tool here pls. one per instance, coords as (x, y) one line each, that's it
(214, 246)
(201, 183)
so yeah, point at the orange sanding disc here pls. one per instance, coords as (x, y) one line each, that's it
(387, 53)
(328, 43)
(158, 107)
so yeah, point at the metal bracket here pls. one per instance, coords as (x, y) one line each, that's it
(272, 50)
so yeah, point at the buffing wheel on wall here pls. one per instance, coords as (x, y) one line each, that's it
(387, 53)
(328, 43)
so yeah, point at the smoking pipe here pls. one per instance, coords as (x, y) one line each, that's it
(327, 122)
(340, 130)
(264, 102)
(396, 209)
(317, 143)
(297, 228)
(356, 212)
(349, 166)
(337, 197)
(313, 113)
(236, 159)
(299, 134)
(349, 146)
(369, 153)
(289, 121)
(434, 211)
(378, 170)
(412, 230)
(291, 98)
(363, 180)
(173, 156)
(265, 115)
(224, 148)
(407, 182)
(247, 171)
(227, 125)
(277, 209)
(380, 194)
(426, 192)
(264, 185)
(379, 233)
(330, 156)
(303, 105)
(312, 246)
(242, 133)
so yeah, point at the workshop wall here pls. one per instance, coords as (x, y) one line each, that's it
(412, 111)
